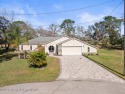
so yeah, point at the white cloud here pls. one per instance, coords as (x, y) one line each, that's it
(30, 10)
(33, 19)
(58, 6)
(21, 11)
(89, 19)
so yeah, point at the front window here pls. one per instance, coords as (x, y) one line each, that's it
(51, 48)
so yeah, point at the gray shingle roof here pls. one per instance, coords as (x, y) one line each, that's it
(42, 40)
(64, 41)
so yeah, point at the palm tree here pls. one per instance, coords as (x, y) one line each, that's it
(17, 35)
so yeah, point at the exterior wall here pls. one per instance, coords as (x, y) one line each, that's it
(59, 49)
(54, 44)
(85, 49)
(72, 47)
(34, 47)
(84, 46)
(72, 42)
(27, 47)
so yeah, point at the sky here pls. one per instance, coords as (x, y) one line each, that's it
(83, 17)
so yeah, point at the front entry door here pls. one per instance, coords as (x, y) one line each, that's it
(51, 50)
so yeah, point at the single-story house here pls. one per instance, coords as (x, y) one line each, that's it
(63, 45)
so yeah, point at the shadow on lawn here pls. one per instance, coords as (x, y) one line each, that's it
(2, 51)
(6, 57)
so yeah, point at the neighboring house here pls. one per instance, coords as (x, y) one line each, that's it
(59, 45)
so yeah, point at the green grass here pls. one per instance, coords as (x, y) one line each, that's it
(110, 59)
(16, 71)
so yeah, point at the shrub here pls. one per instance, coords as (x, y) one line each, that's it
(37, 59)
(40, 48)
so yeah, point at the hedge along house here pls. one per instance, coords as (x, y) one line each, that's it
(59, 46)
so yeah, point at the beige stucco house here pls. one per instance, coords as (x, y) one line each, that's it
(59, 46)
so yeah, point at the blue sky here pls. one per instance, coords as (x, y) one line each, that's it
(86, 16)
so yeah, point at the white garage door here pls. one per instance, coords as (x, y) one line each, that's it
(71, 50)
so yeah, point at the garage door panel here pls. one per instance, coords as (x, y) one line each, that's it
(71, 50)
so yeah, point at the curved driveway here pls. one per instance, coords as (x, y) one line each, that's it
(81, 68)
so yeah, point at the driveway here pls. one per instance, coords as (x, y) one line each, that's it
(81, 68)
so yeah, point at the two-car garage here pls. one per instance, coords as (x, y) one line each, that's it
(72, 50)
(74, 47)
(71, 47)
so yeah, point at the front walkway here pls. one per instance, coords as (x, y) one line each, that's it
(81, 68)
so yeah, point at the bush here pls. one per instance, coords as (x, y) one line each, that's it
(37, 59)
(40, 48)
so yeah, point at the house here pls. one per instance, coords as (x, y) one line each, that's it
(59, 45)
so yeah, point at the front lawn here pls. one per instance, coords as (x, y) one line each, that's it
(16, 71)
(110, 59)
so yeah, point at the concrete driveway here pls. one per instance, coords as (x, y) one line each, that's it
(81, 68)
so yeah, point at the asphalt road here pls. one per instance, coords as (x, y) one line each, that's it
(65, 87)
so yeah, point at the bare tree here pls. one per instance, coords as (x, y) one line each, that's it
(9, 15)
(53, 29)
(31, 30)
(41, 31)
(81, 31)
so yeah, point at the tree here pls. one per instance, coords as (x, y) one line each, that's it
(28, 35)
(113, 25)
(54, 29)
(109, 28)
(81, 30)
(68, 26)
(4, 31)
(99, 31)
(41, 31)
(26, 29)
(21, 24)
(17, 34)
(120, 42)
(31, 30)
